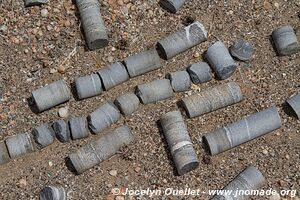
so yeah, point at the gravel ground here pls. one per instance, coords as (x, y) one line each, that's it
(39, 45)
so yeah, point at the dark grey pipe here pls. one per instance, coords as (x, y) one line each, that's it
(243, 131)
(113, 75)
(212, 99)
(103, 117)
(34, 2)
(92, 23)
(142, 63)
(88, 86)
(4, 156)
(179, 142)
(154, 91)
(43, 135)
(99, 150)
(78, 128)
(172, 5)
(53, 193)
(51, 95)
(180, 81)
(182, 40)
(286, 41)
(127, 103)
(62, 131)
(19, 145)
(241, 50)
(249, 180)
(294, 103)
(220, 60)
(200, 72)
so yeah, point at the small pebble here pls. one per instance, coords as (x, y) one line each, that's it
(275, 196)
(265, 152)
(53, 71)
(120, 198)
(113, 172)
(22, 183)
(44, 12)
(63, 112)
(196, 55)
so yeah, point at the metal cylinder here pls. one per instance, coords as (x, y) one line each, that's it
(43, 135)
(243, 131)
(180, 81)
(78, 128)
(182, 40)
(241, 50)
(142, 63)
(212, 99)
(200, 72)
(172, 5)
(4, 155)
(249, 180)
(88, 86)
(220, 60)
(51, 95)
(53, 193)
(285, 40)
(154, 91)
(179, 142)
(294, 103)
(113, 75)
(103, 117)
(62, 131)
(92, 23)
(34, 2)
(99, 150)
(19, 145)
(127, 103)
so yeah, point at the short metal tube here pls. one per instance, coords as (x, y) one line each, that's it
(4, 155)
(142, 63)
(51, 95)
(62, 131)
(53, 193)
(113, 75)
(212, 99)
(34, 2)
(78, 128)
(99, 150)
(220, 60)
(182, 40)
(294, 103)
(241, 50)
(172, 5)
(88, 86)
(179, 142)
(249, 180)
(200, 72)
(19, 145)
(180, 81)
(43, 135)
(243, 131)
(92, 23)
(154, 91)
(127, 103)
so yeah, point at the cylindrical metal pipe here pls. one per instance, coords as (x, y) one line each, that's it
(19, 145)
(62, 131)
(34, 2)
(142, 63)
(113, 75)
(4, 155)
(154, 91)
(51, 95)
(220, 60)
(212, 99)
(92, 23)
(97, 151)
(200, 72)
(78, 128)
(180, 81)
(243, 131)
(241, 50)
(286, 41)
(127, 103)
(103, 117)
(88, 86)
(172, 5)
(179, 142)
(53, 193)
(182, 40)
(249, 180)
(43, 135)
(294, 103)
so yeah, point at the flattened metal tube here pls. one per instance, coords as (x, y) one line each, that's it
(200, 72)
(88, 86)
(243, 131)
(179, 142)
(212, 99)
(294, 103)
(172, 5)
(182, 40)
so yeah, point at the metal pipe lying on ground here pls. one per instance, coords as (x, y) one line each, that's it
(179, 142)
(142, 63)
(212, 99)
(4, 155)
(243, 131)
(180, 81)
(250, 179)
(53, 193)
(241, 50)
(62, 131)
(88, 86)
(51, 95)
(78, 128)
(127, 103)
(182, 40)
(19, 145)
(294, 103)
(154, 91)
(43, 135)
(34, 2)
(200, 72)
(97, 151)
(92, 23)
(172, 5)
